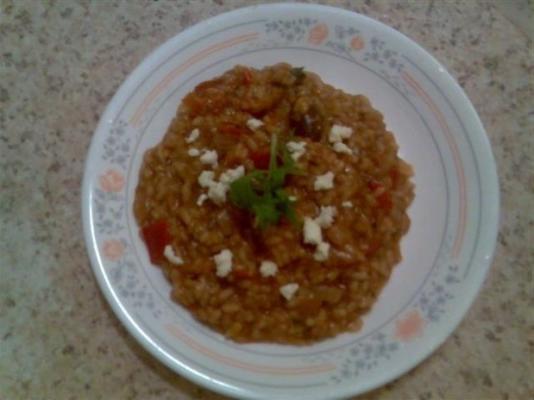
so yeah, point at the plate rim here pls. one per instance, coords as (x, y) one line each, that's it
(483, 151)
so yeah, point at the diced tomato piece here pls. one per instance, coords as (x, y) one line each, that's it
(374, 185)
(156, 236)
(247, 76)
(384, 201)
(261, 158)
(233, 130)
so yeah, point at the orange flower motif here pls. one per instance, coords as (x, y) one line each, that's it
(357, 43)
(318, 34)
(112, 181)
(410, 326)
(113, 249)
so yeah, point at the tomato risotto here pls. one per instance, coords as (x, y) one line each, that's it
(275, 205)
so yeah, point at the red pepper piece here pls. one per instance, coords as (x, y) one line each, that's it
(156, 236)
(374, 185)
(384, 201)
(233, 130)
(261, 158)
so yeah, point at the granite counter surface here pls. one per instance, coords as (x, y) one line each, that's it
(62, 61)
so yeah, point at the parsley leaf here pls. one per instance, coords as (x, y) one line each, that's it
(242, 193)
(261, 191)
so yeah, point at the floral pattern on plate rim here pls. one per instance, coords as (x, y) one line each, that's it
(346, 41)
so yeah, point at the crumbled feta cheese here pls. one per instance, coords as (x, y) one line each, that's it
(292, 198)
(296, 146)
(297, 149)
(205, 179)
(254, 123)
(217, 192)
(195, 133)
(193, 152)
(268, 268)
(313, 235)
(347, 204)
(340, 147)
(168, 252)
(223, 263)
(231, 175)
(338, 133)
(209, 157)
(201, 199)
(312, 232)
(321, 252)
(289, 290)
(324, 182)
(326, 216)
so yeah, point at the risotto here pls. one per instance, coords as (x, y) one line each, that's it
(275, 205)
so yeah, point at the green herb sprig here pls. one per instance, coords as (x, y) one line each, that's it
(261, 192)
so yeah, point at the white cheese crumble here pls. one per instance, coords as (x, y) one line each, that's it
(324, 182)
(326, 216)
(205, 179)
(223, 263)
(193, 152)
(231, 175)
(321, 252)
(340, 147)
(338, 133)
(195, 133)
(209, 157)
(217, 192)
(289, 290)
(201, 199)
(312, 232)
(254, 123)
(292, 198)
(297, 149)
(313, 235)
(169, 254)
(347, 204)
(268, 268)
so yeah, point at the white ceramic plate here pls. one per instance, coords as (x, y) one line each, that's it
(454, 216)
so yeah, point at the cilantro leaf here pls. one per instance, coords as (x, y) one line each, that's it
(266, 212)
(242, 193)
(261, 192)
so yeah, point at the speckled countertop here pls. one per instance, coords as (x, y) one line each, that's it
(61, 62)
